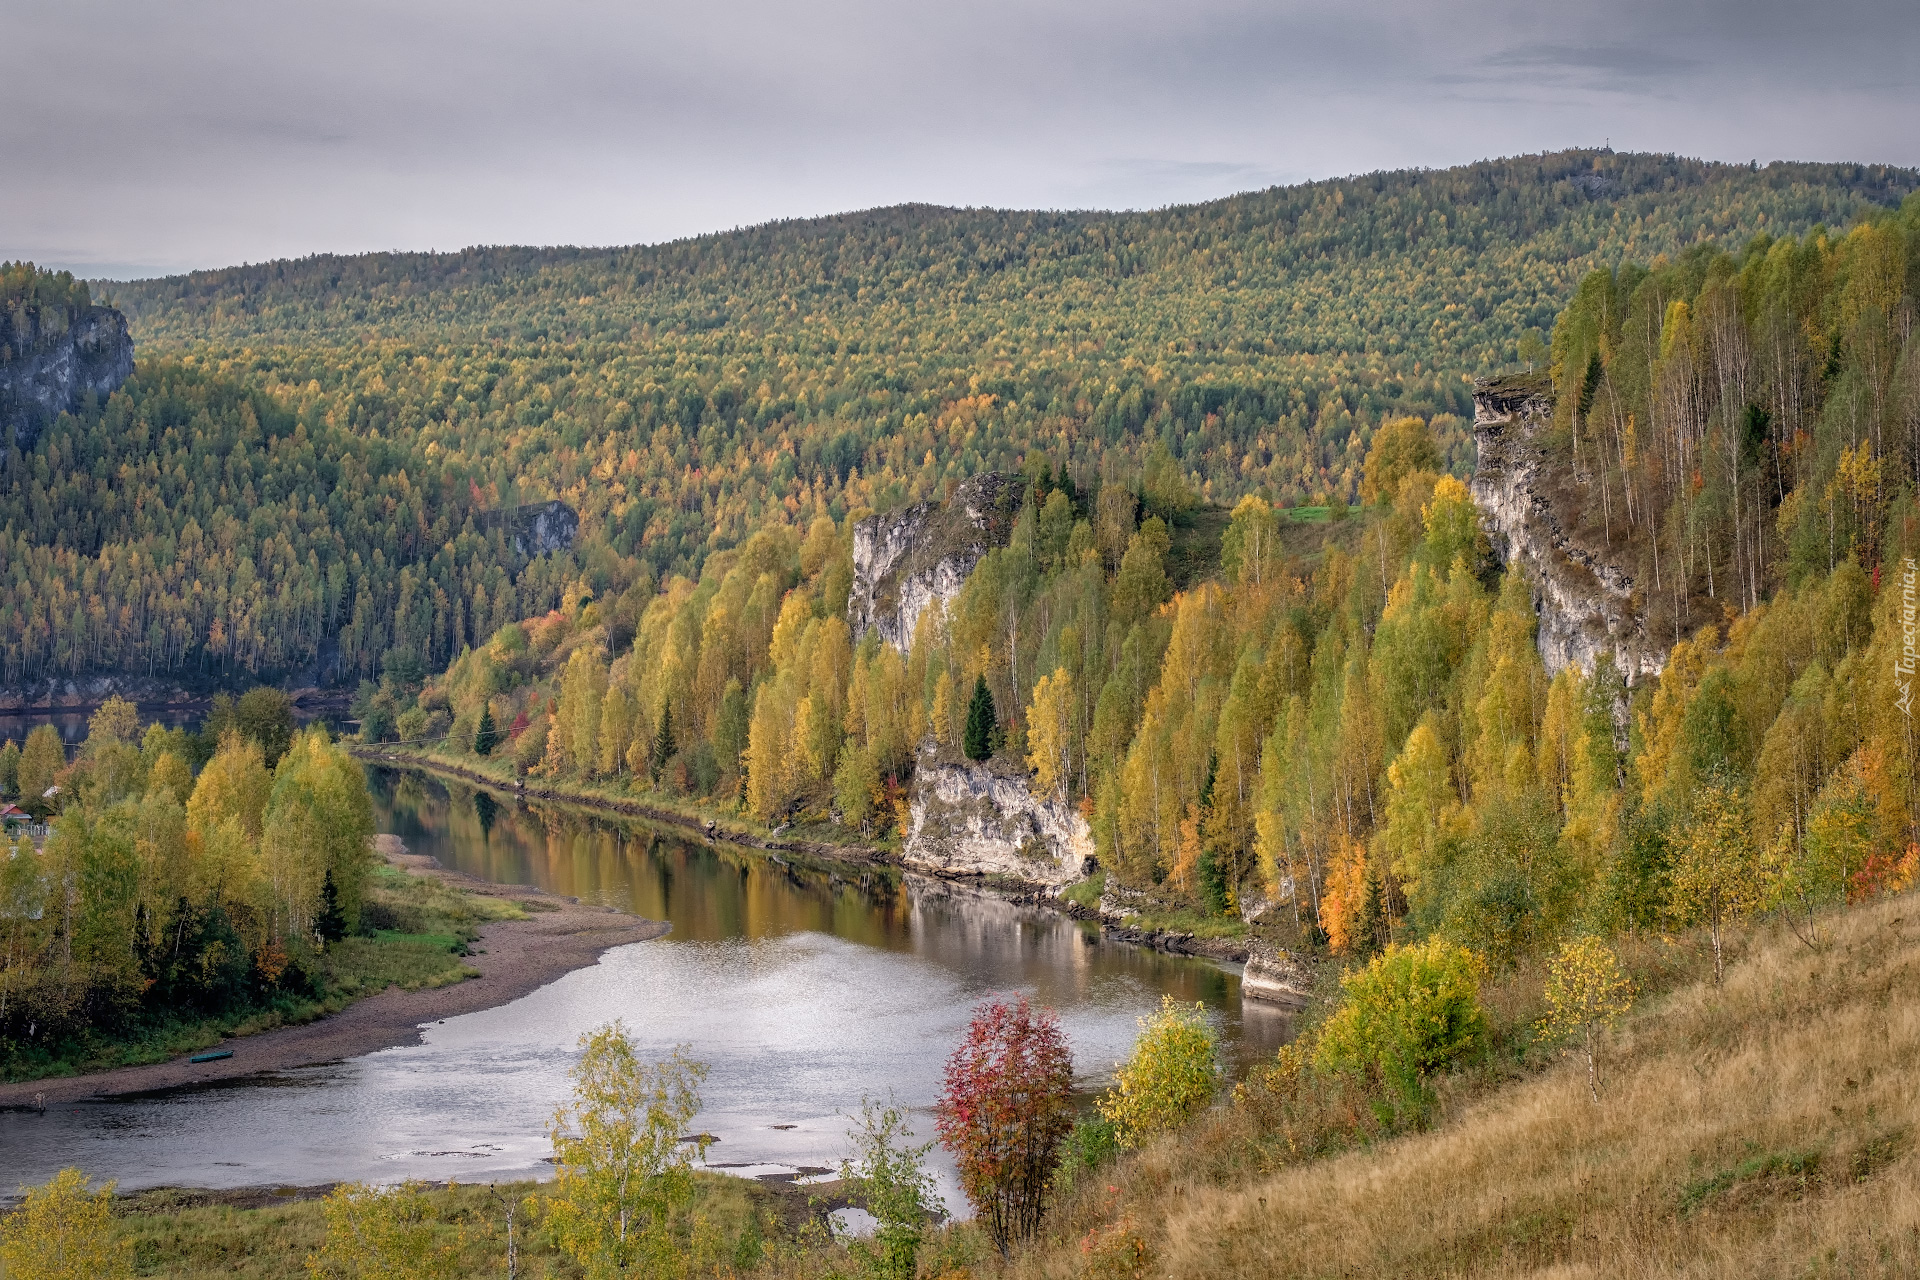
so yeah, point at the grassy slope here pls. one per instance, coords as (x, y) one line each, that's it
(1764, 1128)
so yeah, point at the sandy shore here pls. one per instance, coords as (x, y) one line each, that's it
(514, 957)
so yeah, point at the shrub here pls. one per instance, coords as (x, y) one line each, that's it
(1172, 1074)
(1408, 1014)
(64, 1232)
(385, 1232)
(1006, 1105)
(892, 1185)
(1093, 1142)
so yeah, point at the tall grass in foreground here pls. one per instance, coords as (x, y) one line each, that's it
(1762, 1128)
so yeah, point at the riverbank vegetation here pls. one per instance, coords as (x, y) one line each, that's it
(193, 889)
(1753, 1122)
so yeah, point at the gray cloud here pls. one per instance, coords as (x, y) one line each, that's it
(202, 132)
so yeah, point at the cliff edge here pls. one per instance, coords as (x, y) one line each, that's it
(52, 355)
(1587, 606)
(909, 559)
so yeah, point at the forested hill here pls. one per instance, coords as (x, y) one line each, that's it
(1448, 265)
(1261, 337)
(313, 450)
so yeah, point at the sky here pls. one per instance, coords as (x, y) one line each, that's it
(140, 138)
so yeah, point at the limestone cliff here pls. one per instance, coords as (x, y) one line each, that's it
(1276, 977)
(979, 820)
(1587, 606)
(51, 357)
(906, 560)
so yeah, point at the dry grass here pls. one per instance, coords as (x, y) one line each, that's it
(1766, 1128)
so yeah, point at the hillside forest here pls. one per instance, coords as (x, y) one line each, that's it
(1345, 722)
(311, 471)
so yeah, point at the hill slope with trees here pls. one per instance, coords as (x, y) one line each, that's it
(311, 452)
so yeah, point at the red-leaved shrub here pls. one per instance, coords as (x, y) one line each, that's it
(1006, 1107)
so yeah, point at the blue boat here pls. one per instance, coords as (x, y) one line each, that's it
(215, 1056)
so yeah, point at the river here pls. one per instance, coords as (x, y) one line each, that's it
(802, 987)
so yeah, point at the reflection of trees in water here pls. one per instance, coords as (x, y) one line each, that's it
(714, 893)
(485, 808)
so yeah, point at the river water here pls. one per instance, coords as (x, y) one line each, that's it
(803, 987)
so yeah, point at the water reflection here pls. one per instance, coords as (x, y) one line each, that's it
(803, 986)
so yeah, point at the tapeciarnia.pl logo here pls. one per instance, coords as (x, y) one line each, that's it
(1903, 668)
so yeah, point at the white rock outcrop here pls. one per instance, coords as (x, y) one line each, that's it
(1587, 607)
(1274, 977)
(975, 820)
(907, 560)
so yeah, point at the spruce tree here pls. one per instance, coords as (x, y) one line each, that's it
(330, 922)
(662, 742)
(982, 724)
(485, 736)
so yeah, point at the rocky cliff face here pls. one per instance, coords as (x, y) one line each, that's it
(544, 526)
(1587, 606)
(50, 358)
(907, 560)
(975, 820)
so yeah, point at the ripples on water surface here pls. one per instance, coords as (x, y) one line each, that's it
(803, 987)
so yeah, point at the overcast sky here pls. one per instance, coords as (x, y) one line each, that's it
(143, 137)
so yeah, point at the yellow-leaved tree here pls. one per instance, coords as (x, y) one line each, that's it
(64, 1232)
(1050, 735)
(318, 826)
(1717, 876)
(1586, 992)
(622, 1167)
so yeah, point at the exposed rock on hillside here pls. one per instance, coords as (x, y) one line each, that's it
(906, 560)
(975, 820)
(50, 358)
(1587, 606)
(540, 527)
(1275, 977)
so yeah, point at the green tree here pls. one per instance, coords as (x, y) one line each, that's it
(266, 715)
(977, 741)
(485, 736)
(888, 1176)
(662, 744)
(622, 1169)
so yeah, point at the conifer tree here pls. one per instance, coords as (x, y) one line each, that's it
(330, 922)
(981, 722)
(662, 741)
(485, 736)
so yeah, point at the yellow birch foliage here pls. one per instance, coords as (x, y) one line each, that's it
(1050, 735)
(64, 1232)
(1171, 1074)
(622, 1169)
(384, 1233)
(235, 784)
(1586, 992)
